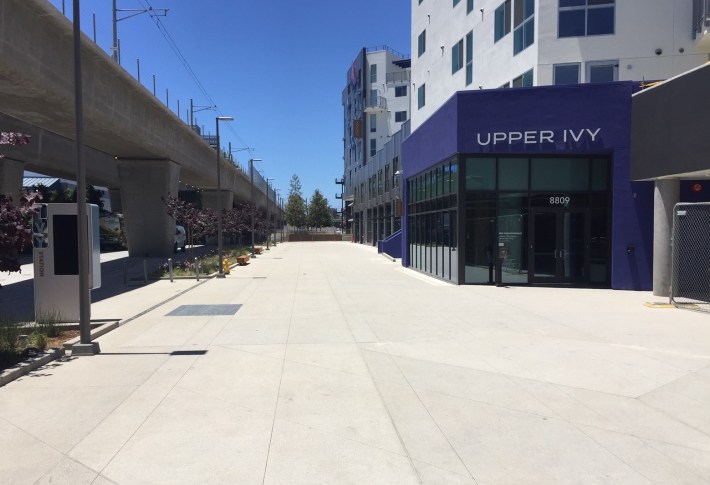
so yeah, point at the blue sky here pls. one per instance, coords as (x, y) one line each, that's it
(277, 67)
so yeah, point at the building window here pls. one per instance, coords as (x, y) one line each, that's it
(400, 91)
(456, 2)
(457, 57)
(566, 74)
(602, 71)
(525, 80)
(524, 20)
(421, 43)
(400, 116)
(469, 58)
(373, 123)
(373, 147)
(579, 18)
(421, 96)
(469, 6)
(502, 21)
(395, 168)
(373, 73)
(387, 178)
(380, 181)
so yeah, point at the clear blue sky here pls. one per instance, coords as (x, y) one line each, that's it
(277, 67)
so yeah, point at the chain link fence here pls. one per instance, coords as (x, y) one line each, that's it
(690, 274)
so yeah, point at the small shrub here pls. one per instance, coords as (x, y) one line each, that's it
(9, 332)
(47, 323)
(9, 353)
(39, 340)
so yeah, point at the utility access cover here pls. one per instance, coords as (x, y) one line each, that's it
(203, 310)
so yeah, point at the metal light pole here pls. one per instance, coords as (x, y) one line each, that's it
(251, 174)
(268, 217)
(85, 346)
(220, 273)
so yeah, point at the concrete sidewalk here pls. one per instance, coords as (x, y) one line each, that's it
(342, 367)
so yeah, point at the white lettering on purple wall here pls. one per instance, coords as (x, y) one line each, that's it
(533, 137)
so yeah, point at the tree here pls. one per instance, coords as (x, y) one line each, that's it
(14, 139)
(15, 229)
(318, 211)
(15, 221)
(198, 222)
(295, 210)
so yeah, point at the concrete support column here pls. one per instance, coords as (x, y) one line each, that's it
(665, 195)
(114, 196)
(149, 230)
(11, 173)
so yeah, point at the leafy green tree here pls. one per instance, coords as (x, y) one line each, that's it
(318, 211)
(295, 210)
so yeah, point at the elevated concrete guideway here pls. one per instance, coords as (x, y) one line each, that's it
(134, 142)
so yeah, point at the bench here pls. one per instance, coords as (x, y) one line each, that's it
(258, 250)
(242, 260)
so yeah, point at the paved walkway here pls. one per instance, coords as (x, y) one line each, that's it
(342, 367)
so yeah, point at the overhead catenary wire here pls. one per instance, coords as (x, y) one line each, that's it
(173, 45)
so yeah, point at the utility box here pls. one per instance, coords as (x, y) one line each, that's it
(56, 259)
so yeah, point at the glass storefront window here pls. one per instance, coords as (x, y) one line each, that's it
(513, 236)
(479, 227)
(480, 174)
(513, 174)
(600, 173)
(560, 174)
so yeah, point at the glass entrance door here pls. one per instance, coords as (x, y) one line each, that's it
(559, 252)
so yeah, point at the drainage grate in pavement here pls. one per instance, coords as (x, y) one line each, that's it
(188, 352)
(203, 310)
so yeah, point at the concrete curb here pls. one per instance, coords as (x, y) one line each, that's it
(24, 368)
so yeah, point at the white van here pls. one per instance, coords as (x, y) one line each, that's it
(180, 239)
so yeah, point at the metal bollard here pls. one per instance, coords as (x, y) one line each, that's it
(170, 268)
(197, 269)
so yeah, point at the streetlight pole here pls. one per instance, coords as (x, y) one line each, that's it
(253, 208)
(85, 345)
(220, 273)
(268, 217)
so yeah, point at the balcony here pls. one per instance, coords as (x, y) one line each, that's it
(377, 104)
(398, 77)
(701, 25)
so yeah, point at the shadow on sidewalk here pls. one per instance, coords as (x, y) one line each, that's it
(118, 276)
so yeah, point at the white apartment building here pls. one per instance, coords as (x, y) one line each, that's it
(376, 104)
(485, 44)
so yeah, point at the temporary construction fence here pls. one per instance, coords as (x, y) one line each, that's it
(690, 273)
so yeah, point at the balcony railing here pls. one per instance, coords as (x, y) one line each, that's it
(377, 103)
(398, 77)
(379, 48)
(701, 16)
